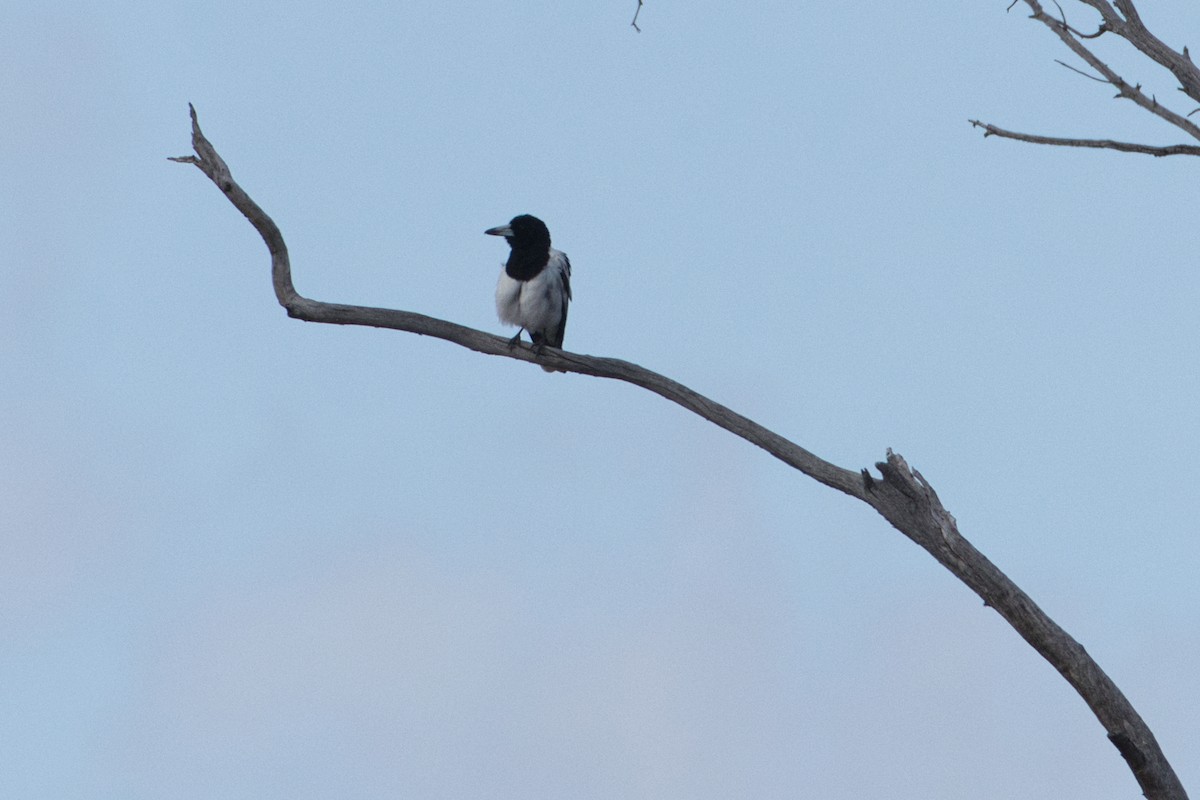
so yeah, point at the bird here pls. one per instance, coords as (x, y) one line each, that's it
(535, 284)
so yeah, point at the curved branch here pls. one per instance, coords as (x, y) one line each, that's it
(1062, 17)
(901, 496)
(299, 307)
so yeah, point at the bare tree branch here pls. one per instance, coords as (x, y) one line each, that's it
(1124, 21)
(1124, 88)
(902, 496)
(1179, 63)
(635, 16)
(1106, 144)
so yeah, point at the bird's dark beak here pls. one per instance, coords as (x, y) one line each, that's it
(500, 230)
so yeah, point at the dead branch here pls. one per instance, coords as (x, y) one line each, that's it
(902, 496)
(1122, 20)
(1106, 144)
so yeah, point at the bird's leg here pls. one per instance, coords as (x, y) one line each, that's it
(515, 340)
(539, 342)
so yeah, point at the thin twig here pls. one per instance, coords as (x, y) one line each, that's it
(635, 17)
(1081, 72)
(1063, 18)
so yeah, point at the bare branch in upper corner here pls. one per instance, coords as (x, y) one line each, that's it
(635, 16)
(1100, 144)
(1124, 21)
(1124, 88)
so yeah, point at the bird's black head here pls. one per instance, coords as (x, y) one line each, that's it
(525, 231)
(529, 239)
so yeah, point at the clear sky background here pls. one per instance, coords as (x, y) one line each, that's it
(247, 557)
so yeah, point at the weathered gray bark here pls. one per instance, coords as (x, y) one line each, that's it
(901, 495)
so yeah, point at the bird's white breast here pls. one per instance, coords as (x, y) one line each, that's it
(536, 304)
(508, 299)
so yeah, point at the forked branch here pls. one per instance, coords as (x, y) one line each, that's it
(901, 495)
(1122, 20)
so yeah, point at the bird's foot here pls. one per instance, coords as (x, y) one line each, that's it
(514, 341)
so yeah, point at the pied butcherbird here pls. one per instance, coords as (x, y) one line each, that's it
(535, 285)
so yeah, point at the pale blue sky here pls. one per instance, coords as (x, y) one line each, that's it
(247, 557)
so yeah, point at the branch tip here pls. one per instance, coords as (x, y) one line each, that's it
(1081, 72)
